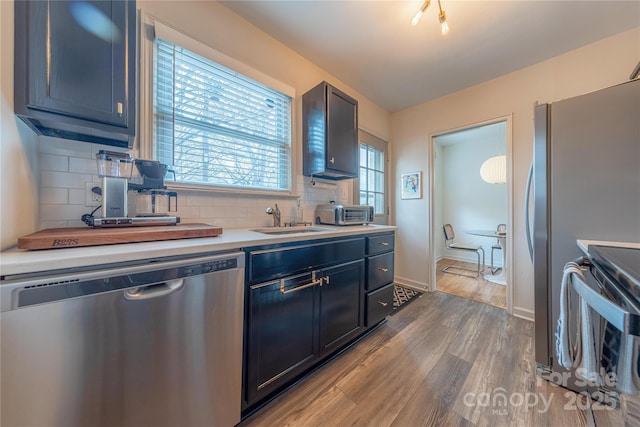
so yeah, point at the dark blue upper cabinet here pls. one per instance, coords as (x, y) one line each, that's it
(75, 69)
(329, 133)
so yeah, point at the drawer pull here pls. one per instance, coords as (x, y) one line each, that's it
(382, 303)
(299, 288)
(384, 243)
(384, 270)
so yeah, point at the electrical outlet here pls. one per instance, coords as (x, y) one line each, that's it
(90, 197)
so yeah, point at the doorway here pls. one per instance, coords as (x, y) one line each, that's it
(461, 197)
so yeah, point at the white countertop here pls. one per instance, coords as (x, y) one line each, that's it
(15, 261)
(584, 244)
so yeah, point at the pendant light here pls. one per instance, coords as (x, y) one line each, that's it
(494, 170)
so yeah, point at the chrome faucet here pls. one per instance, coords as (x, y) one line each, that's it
(276, 215)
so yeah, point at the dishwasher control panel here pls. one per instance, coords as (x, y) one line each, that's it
(210, 267)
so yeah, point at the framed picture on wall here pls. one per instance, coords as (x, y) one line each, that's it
(411, 185)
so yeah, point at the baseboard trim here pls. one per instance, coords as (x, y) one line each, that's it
(523, 313)
(418, 286)
(473, 260)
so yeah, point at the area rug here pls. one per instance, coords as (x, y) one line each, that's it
(402, 296)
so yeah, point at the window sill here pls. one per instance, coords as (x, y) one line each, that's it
(178, 186)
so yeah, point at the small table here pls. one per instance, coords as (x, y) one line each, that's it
(501, 278)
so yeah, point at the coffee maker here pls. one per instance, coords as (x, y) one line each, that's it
(115, 170)
(150, 197)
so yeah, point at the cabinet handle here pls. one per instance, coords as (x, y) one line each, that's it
(384, 243)
(332, 160)
(382, 303)
(299, 288)
(383, 269)
(119, 108)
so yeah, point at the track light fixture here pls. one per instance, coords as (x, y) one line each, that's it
(442, 16)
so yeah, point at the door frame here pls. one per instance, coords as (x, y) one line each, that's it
(434, 228)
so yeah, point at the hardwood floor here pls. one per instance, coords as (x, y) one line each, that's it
(441, 361)
(477, 289)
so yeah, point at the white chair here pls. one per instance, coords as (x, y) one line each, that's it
(497, 247)
(449, 235)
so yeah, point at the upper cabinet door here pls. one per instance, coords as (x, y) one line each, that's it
(75, 72)
(330, 133)
(342, 133)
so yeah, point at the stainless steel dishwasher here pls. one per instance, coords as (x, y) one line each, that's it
(158, 344)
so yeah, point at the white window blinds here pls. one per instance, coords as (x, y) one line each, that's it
(218, 127)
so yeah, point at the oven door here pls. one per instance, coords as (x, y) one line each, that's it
(620, 357)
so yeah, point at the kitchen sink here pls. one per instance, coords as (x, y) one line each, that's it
(290, 230)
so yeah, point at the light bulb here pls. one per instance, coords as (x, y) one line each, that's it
(443, 22)
(419, 14)
(417, 18)
(444, 27)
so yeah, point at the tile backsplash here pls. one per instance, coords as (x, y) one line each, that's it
(65, 167)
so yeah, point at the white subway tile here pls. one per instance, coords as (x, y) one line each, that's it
(249, 222)
(54, 196)
(80, 165)
(195, 200)
(247, 202)
(53, 162)
(188, 211)
(63, 179)
(76, 196)
(62, 212)
(230, 212)
(228, 223)
(207, 211)
(65, 147)
(225, 201)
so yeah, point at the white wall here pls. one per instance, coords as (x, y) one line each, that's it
(601, 64)
(18, 150)
(58, 168)
(468, 202)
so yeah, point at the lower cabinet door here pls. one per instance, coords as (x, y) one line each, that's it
(342, 308)
(282, 333)
(379, 304)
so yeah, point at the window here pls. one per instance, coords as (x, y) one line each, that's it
(372, 178)
(216, 126)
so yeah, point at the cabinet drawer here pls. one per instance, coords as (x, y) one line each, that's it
(380, 244)
(379, 271)
(379, 304)
(284, 261)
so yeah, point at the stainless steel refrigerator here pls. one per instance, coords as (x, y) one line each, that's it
(586, 185)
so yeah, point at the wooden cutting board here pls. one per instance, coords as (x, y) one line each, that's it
(56, 238)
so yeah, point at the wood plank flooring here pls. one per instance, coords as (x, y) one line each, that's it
(477, 289)
(442, 360)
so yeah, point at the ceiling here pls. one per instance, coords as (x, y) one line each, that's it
(372, 46)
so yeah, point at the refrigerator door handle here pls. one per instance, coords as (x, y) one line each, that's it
(527, 222)
(625, 321)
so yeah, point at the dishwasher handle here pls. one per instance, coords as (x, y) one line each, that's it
(154, 290)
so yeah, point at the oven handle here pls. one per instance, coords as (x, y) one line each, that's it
(625, 321)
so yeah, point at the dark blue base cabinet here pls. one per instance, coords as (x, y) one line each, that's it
(305, 302)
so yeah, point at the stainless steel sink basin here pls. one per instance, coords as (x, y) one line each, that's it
(290, 230)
